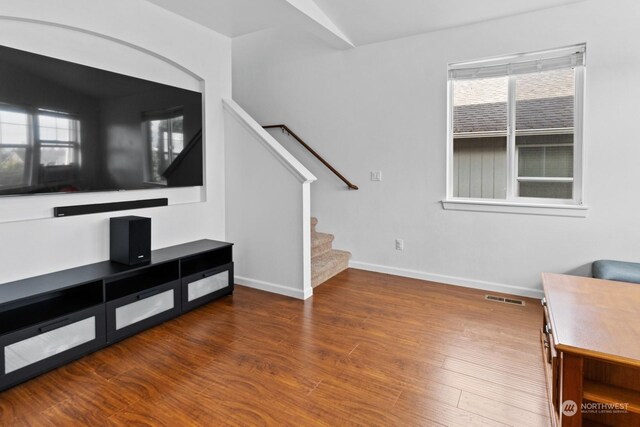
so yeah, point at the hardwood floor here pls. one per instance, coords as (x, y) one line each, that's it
(367, 349)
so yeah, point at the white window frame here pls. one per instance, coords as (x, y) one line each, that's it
(73, 144)
(574, 207)
(29, 147)
(149, 117)
(35, 144)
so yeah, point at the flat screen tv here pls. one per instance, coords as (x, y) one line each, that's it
(67, 128)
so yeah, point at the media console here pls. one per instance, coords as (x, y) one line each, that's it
(50, 320)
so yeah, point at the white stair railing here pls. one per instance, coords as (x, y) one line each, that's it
(268, 208)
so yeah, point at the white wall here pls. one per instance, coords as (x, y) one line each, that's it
(136, 38)
(268, 209)
(383, 107)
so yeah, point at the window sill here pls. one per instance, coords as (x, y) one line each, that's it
(577, 211)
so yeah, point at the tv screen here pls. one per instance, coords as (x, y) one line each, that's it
(66, 128)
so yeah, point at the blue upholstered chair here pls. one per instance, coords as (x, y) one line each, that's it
(620, 271)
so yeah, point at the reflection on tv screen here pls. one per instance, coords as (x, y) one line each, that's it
(66, 127)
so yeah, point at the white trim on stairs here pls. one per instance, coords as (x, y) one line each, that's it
(286, 158)
(307, 287)
(449, 280)
(274, 288)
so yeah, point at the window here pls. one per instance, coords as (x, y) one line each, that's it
(166, 140)
(15, 148)
(32, 142)
(58, 139)
(515, 131)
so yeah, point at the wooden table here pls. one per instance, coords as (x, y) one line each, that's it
(591, 343)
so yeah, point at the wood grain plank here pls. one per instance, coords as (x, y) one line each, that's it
(517, 379)
(501, 412)
(605, 393)
(496, 392)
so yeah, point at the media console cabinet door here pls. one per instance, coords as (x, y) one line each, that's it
(34, 349)
(134, 313)
(202, 287)
(143, 309)
(207, 285)
(38, 348)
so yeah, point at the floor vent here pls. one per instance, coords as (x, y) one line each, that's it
(504, 300)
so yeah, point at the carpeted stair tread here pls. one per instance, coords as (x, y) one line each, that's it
(321, 243)
(326, 262)
(327, 265)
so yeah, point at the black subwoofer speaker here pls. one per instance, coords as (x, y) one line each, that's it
(130, 240)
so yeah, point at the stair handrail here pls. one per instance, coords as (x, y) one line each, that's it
(288, 131)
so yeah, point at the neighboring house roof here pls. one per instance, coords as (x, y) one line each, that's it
(542, 113)
(12, 159)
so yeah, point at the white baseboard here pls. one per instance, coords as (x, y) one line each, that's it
(449, 280)
(273, 288)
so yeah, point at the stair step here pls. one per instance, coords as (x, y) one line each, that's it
(321, 243)
(327, 265)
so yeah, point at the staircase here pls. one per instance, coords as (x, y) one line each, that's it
(326, 262)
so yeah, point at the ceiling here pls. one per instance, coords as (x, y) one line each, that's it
(232, 18)
(367, 21)
(358, 21)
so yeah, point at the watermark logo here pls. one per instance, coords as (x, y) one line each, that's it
(569, 408)
(605, 408)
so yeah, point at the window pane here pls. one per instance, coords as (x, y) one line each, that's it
(12, 164)
(58, 129)
(558, 161)
(47, 134)
(14, 134)
(157, 130)
(545, 100)
(480, 143)
(176, 124)
(166, 140)
(544, 132)
(550, 190)
(47, 121)
(63, 135)
(13, 117)
(177, 136)
(56, 156)
(62, 123)
(177, 143)
(545, 161)
(480, 167)
(480, 105)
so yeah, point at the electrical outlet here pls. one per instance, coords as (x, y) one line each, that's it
(399, 245)
(376, 175)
